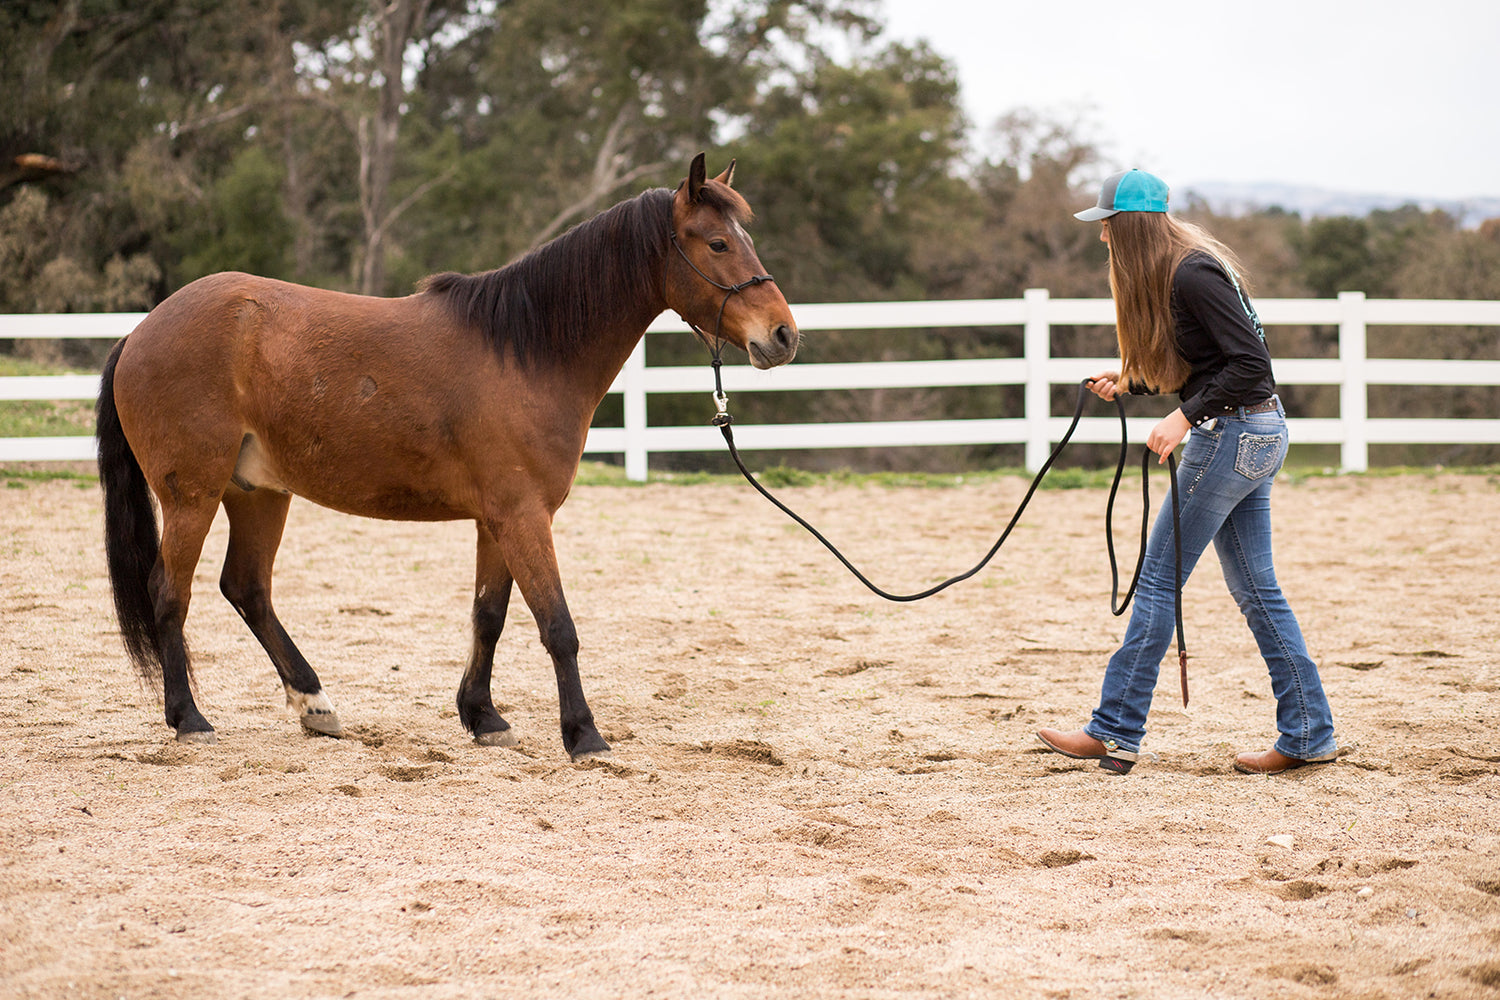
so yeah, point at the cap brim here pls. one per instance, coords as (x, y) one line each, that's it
(1094, 214)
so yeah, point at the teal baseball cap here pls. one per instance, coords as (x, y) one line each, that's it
(1127, 191)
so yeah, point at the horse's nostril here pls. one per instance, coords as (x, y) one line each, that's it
(784, 335)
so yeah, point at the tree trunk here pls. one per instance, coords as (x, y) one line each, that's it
(396, 23)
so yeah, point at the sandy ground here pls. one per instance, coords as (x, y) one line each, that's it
(814, 793)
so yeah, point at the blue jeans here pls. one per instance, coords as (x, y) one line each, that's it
(1225, 487)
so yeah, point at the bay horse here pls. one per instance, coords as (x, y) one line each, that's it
(469, 399)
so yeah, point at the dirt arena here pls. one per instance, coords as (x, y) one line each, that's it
(814, 793)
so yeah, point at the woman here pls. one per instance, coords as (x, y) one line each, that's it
(1185, 324)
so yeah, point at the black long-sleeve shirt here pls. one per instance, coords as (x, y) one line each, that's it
(1220, 336)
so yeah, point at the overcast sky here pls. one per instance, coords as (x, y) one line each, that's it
(1374, 96)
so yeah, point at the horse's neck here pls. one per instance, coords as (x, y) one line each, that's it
(608, 350)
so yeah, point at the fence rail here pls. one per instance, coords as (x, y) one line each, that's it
(1353, 371)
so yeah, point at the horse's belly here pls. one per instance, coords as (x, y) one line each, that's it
(363, 483)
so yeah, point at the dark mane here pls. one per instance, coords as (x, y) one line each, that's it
(539, 307)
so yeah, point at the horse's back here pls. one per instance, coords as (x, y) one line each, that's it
(198, 332)
(216, 313)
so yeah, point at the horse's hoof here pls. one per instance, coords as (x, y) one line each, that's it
(499, 738)
(315, 712)
(605, 754)
(323, 724)
(198, 736)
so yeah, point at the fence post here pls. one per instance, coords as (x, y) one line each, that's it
(1353, 393)
(633, 388)
(1037, 344)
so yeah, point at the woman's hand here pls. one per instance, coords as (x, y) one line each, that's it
(1168, 434)
(1106, 385)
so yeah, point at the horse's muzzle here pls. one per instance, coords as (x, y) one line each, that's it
(779, 347)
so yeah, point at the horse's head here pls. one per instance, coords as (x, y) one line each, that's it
(715, 281)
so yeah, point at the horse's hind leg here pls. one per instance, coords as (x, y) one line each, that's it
(184, 527)
(492, 586)
(256, 520)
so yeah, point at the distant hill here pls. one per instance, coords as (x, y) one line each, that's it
(1228, 198)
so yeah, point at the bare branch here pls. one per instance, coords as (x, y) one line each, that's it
(596, 191)
(414, 197)
(606, 176)
(219, 118)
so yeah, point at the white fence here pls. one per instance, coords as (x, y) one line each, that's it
(1354, 431)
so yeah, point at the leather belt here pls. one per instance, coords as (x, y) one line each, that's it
(1264, 406)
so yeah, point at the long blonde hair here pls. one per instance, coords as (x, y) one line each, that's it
(1145, 249)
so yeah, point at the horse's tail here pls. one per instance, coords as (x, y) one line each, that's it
(130, 537)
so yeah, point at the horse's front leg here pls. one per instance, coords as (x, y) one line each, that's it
(526, 543)
(492, 585)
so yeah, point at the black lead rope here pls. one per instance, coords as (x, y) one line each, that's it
(1116, 606)
(723, 420)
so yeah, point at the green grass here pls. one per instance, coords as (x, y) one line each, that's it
(46, 418)
(782, 477)
(15, 476)
(11, 365)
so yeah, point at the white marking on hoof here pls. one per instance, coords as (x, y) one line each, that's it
(504, 738)
(199, 737)
(315, 711)
(594, 755)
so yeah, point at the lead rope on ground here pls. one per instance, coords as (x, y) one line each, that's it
(724, 420)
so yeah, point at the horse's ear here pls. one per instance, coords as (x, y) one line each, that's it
(727, 177)
(696, 174)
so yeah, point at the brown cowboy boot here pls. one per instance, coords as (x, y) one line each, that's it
(1275, 762)
(1081, 745)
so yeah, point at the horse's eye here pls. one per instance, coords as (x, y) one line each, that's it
(718, 246)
